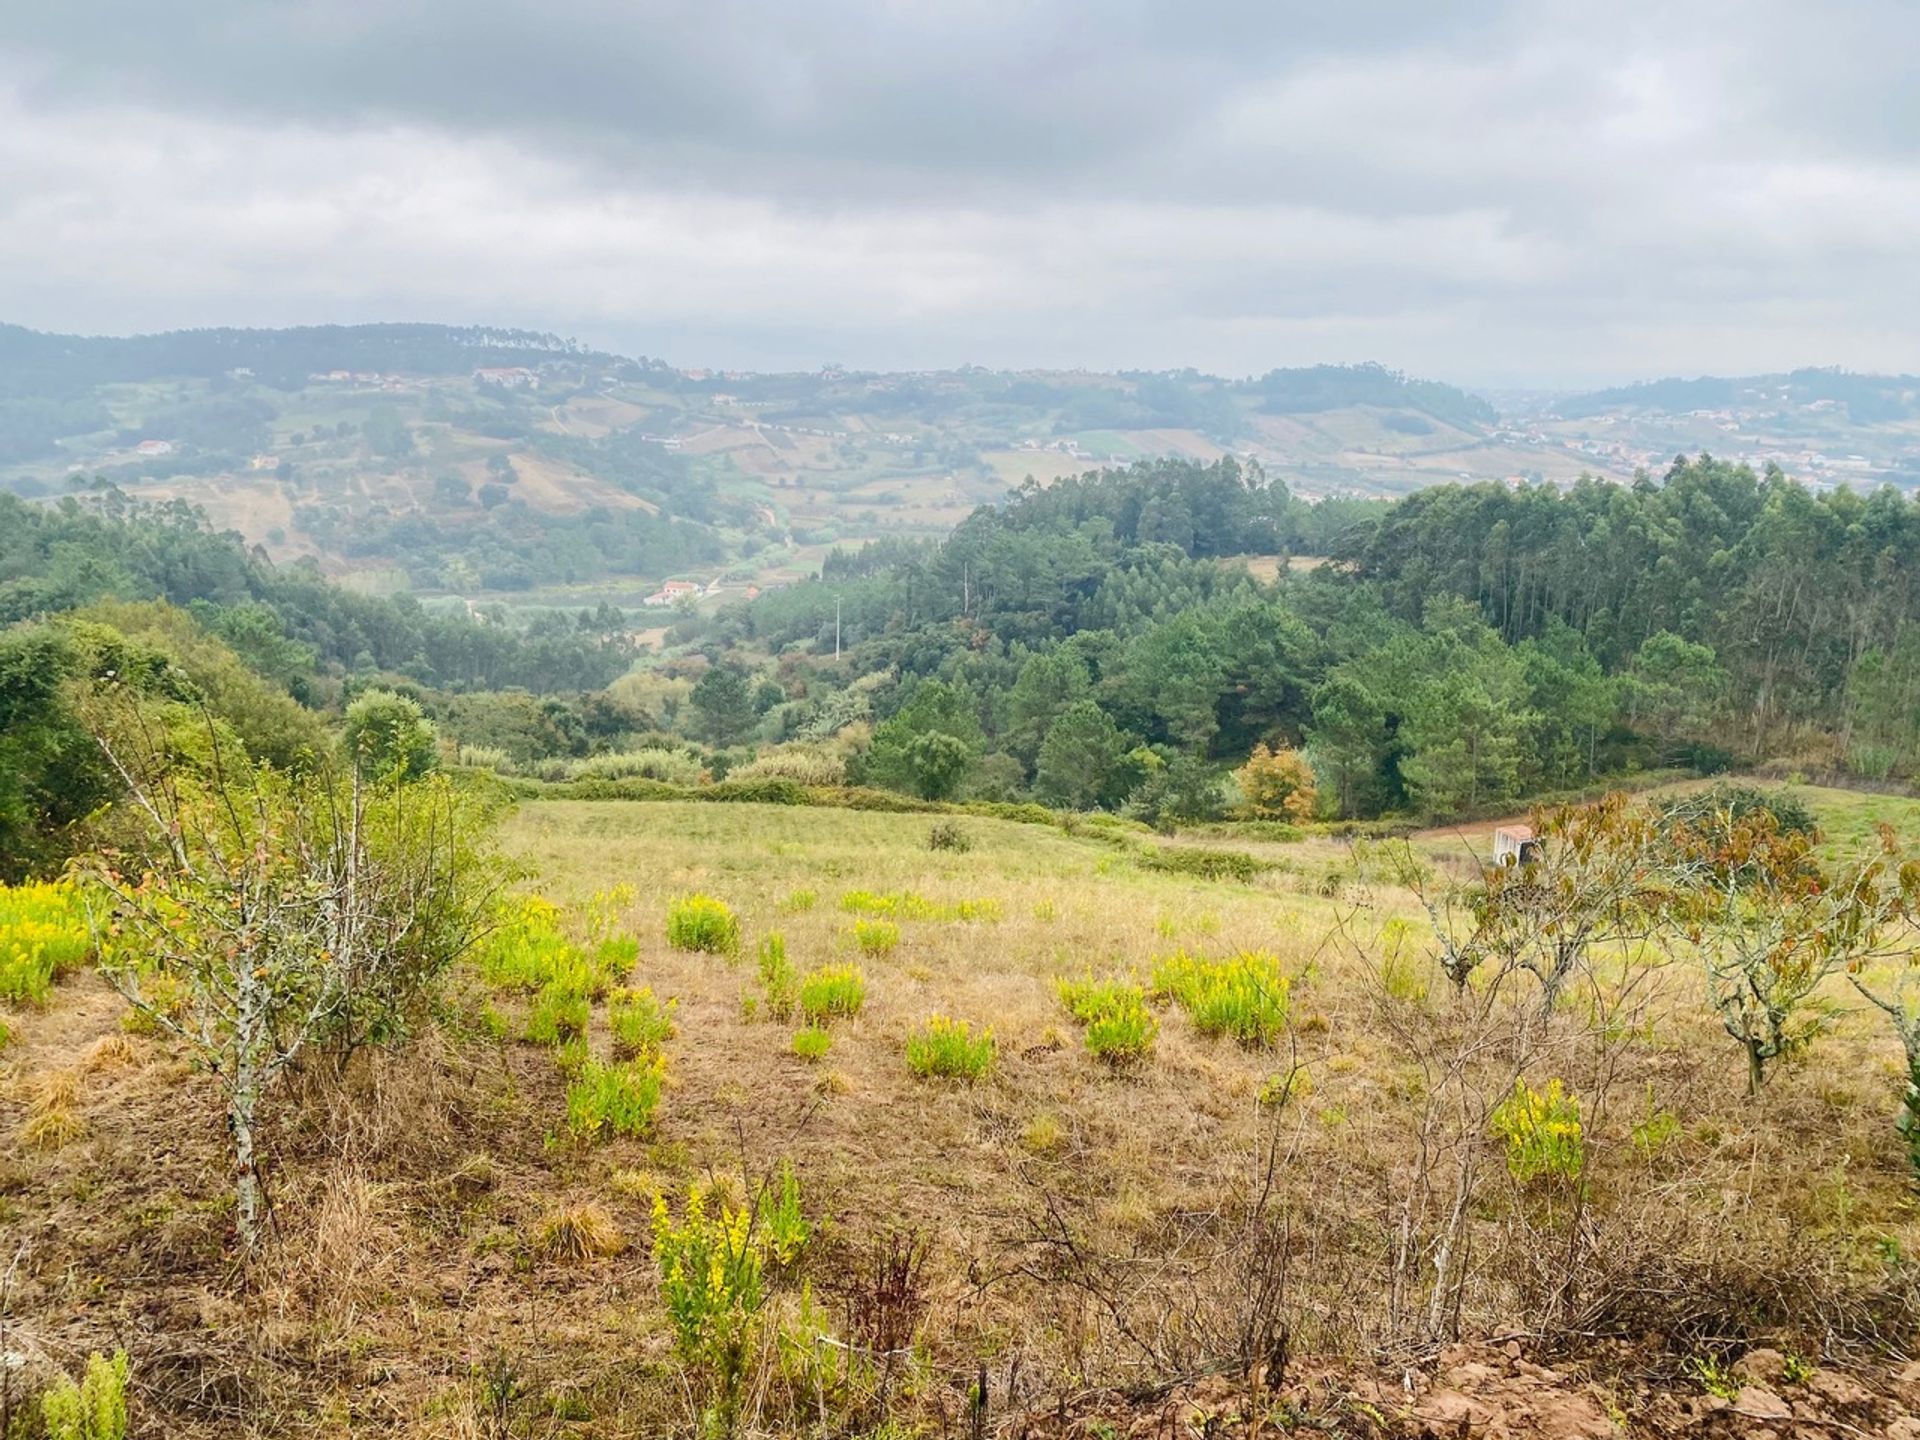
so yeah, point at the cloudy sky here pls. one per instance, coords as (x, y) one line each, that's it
(1535, 193)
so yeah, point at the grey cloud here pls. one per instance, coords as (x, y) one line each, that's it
(1534, 191)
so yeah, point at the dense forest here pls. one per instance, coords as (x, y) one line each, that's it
(1470, 644)
(1100, 643)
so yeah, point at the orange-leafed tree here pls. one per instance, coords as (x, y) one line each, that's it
(1277, 784)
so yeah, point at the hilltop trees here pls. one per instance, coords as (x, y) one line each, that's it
(1078, 758)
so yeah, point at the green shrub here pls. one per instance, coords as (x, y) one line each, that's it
(95, 1409)
(1280, 832)
(558, 1014)
(945, 835)
(633, 789)
(674, 767)
(704, 924)
(783, 1225)
(755, 792)
(526, 951)
(777, 977)
(1025, 813)
(801, 763)
(1245, 996)
(1711, 809)
(948, 1048)
(1120, 1029)
(1087, 999)
(798, 902)
(616, 1099)
(832, 991)
(712, 1285)
(640, 1023)
(905, 905)
(615, 956)
(812, 1043)
(1207, 864)
(1124, 1037)
(876, 938)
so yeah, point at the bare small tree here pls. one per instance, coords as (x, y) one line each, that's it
(1771, 925)
(264, 915)
(1599, 881)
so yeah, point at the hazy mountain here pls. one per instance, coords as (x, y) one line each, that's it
(480, 460)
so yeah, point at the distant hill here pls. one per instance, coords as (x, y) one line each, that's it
(1868, 399)
(489, 462)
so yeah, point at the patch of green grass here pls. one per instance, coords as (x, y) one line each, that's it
(1245, 995)
(831, 992)
(778, 980)
(1123, 1037)
(558, 1014)
(527, 951)
(616, 1099)
(640, 1022)
(703, 924)
(812, 1043)
(875, 938)
(906, 905)
(1120, 1029)
(948, 1048)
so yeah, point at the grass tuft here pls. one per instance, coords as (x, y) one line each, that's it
(559, 1014)
(703, 924)
(948, 1049)
(1245, 996)
(616, 1099)
(876, 938)
(1120, 1029)
(577, 1234)
(832, 992)
(812, 1043)
(641, 1024)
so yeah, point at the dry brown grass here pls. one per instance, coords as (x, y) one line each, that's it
(1056, 1201)
(117, 1051)
(578, 1233)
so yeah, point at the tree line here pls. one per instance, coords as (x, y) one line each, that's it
(1467, 646)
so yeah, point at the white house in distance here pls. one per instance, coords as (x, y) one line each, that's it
(154, 447)
(1515, 845)
(670, 592)
(512, 377)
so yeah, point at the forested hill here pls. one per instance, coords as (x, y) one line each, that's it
(1467, 645)
(487, 462)
(1163, 640)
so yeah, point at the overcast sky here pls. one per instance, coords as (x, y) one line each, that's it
(1532, 193)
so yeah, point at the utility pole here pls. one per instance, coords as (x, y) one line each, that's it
(836, 627)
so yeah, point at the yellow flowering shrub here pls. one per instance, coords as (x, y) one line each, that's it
(43, 934)
(713, 1287)
(1542, 1131)
(1245, 996)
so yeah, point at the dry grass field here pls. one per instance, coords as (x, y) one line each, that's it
(1326, 1210)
